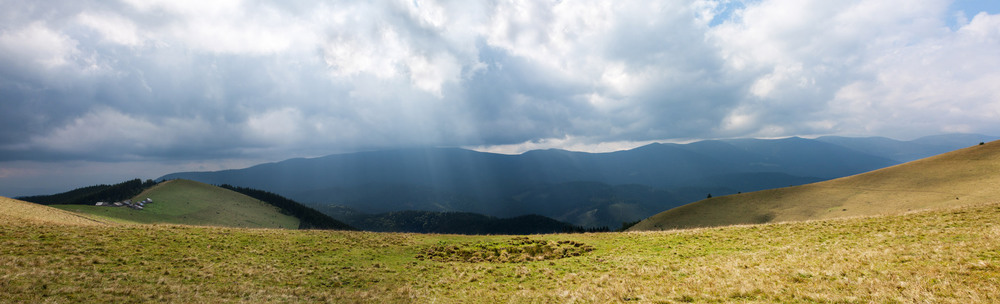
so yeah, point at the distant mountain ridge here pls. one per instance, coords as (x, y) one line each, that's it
(586, 189)
(662, 165)
(905, 151)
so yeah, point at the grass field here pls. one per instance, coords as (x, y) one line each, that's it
(964, 177)
(943, 256)
(193, 203)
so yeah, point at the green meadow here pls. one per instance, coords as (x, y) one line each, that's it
(942, 256)
(192, 203)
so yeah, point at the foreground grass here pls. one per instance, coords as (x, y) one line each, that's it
(940, 256)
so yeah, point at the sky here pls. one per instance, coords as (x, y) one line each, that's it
(103, 91)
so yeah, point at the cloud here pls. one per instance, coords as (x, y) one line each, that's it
(113, 28)
(225, 27)
(37, 45)
(107, 134)
(942, 83)
(830, 67)
(282, 126)
(157, 80)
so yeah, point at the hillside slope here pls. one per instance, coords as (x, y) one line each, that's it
(193, 203)
(963, 177)
(12, 210)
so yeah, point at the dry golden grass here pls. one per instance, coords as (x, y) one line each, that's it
(943, 256)
(964, 177)
(12, 210)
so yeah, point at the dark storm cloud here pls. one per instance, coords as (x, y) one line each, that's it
(161, 80)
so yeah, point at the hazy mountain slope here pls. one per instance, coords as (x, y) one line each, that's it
(193, 203)
(457, 223)
(12, 210)
(806, 157)
(954, 141)
(963, 177)
(309, 218)
(452, 169)
(747, 182)
(589, 204)
(457, 180)
(904, 151)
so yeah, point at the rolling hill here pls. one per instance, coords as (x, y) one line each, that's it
(193, 203)
(967, 176)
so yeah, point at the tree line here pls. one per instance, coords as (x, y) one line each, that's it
(92, 194)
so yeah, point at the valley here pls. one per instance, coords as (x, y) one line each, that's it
(582, 189)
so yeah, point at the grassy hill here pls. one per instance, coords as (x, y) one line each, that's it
(963, 177)
(941, 256)
(193, 203)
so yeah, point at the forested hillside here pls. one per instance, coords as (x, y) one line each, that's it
(309, 218)
(92, 194)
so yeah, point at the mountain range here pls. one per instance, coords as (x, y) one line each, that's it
(584, 189)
